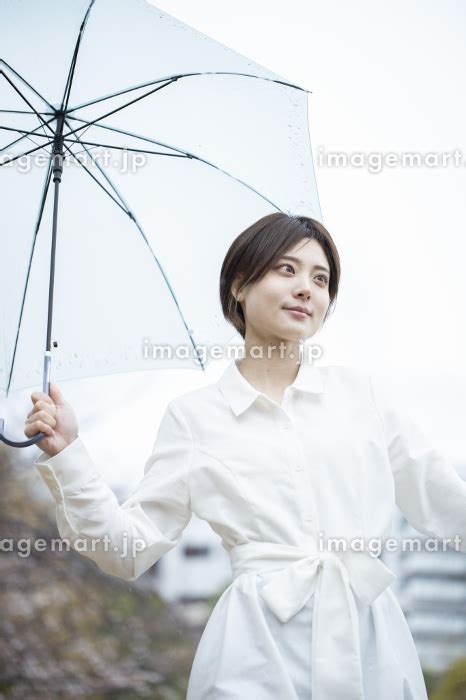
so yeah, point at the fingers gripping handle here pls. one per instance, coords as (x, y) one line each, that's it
(46, 390)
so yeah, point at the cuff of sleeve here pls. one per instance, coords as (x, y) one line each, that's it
(68, 471)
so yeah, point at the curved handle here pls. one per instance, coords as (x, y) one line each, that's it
(24, 443)
(46, 390)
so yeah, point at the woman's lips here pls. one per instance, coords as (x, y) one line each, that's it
(297, 314)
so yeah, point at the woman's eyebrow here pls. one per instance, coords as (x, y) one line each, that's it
(297, 260)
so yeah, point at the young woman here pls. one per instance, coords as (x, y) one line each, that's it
(279, 456)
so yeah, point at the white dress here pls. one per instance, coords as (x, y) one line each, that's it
(300, 619)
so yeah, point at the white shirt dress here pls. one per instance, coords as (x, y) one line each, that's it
(301, 619)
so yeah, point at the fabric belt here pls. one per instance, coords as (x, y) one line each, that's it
(334, 578)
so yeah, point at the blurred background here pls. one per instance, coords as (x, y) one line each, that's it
(386, 78)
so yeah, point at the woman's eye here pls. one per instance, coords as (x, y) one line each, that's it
(288, 265)
(324, 278)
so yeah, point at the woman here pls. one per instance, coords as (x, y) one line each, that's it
(278, 456)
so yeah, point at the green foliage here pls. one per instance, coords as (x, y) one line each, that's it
(452, 685)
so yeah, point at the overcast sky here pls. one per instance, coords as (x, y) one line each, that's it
(385, 78)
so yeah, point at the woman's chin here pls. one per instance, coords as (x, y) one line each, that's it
(295, 336)
(288, 335)
(284, 334)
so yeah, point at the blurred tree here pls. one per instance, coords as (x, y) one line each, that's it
(67, 629)
(452, 685)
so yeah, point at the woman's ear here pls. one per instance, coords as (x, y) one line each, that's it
(234, 290)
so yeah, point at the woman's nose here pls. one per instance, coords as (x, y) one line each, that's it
(304, 291)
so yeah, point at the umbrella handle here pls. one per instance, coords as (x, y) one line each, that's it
(46, 390)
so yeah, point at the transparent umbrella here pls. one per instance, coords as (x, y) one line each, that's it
(133, 150)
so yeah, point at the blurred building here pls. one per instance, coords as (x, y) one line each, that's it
(197, 569)
(431, 589)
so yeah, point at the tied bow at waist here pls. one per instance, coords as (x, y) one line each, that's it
(334, 578)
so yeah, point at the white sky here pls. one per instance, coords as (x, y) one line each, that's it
(385, 77)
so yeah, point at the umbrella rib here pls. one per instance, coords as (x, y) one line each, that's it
(132, 134)
(78, 141)
(69, 81)
(26, 153)
(156, 260)
(173, 78)
(126, 148)
(16, 89)
(170, 288)
(118, 109)
(23, 111)
(23, 80)
(24, 133)
(312, 157)
(38, 222)
(123, 205)
(96, 180)
(186, 154)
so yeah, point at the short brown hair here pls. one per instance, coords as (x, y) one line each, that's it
(255, 251)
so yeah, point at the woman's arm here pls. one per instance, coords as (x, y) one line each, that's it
(428, 489)
(124, 540)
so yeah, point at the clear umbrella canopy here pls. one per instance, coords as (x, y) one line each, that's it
(173, 145)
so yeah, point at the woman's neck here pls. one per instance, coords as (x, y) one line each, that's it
(270, 372)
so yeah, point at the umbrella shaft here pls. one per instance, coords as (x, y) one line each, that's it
(52, 267)
(46, 378)
(57, 168)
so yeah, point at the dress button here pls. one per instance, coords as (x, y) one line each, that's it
(55, 488)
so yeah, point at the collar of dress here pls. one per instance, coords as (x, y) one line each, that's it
(240, 394)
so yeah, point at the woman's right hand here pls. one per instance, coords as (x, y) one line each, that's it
(53, 416)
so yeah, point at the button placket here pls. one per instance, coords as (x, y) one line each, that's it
(297, 463)
(309, 510)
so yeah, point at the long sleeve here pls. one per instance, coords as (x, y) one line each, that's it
(428, 490)
(124, 540)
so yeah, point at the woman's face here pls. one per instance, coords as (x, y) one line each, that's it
(303, 281)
